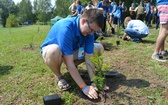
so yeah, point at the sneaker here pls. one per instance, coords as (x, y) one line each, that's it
(158, 57)
(164, 53)
(137, 40)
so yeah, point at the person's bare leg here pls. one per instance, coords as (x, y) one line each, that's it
(162, 47)
(78, 62)
(53, 59)
(161, 38)
(98, 50)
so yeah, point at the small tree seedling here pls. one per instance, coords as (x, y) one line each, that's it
(99, 77)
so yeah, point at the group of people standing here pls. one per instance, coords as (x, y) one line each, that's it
(112, 12)
(115, 14)
(145, 12)
(71, 40)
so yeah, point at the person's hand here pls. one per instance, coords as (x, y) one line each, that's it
(90, 91)
(106, 88)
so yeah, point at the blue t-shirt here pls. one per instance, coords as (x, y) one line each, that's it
(79, 8)
(161, 2)
(66, 34)
(148, 8)
(100, 5)
(117, 12)
(115, 7)
(105, 8)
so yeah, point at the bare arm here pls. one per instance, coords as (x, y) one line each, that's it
(72, 69)
(124, 36)
(89, 65)
(89, 91)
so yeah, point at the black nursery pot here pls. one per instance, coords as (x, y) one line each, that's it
(52, 100)
(118, 42)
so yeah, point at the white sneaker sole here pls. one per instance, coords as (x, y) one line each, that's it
(161, 60)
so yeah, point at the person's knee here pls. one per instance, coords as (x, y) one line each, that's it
(164, 29)
(126, 30)
(53, 53)
(99, 49)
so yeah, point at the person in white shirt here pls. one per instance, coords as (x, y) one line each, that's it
(136, 30)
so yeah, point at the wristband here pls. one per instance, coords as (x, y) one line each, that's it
(84, 87)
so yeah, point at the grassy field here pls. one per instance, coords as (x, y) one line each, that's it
(25, 79)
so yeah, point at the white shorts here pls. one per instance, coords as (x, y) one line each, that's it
(44, 50)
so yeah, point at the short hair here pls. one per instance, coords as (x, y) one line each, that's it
(94, 15)
(127, 19)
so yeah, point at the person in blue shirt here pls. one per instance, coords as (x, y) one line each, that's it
(71, 41)
(79, 7)
(136, 30)
(148, 14)
(104, 5)
(115, 15)
(123, 9)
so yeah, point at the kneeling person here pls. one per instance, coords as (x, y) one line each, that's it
(136, 30)
(71, 41)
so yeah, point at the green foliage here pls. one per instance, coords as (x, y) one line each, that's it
(25, 79)
(62, 8)
(69, 99)
(31, 44)
(118, 31)
(85, 2)
(12, 21)
(25, 13)
(5, 10)
(99, 78)
(43, 10)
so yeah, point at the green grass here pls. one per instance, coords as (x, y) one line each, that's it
(25, 79)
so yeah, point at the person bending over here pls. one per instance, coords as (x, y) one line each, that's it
(136, 30)
(71, 41)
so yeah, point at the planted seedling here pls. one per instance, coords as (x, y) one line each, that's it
(118, 35)
(99, 77)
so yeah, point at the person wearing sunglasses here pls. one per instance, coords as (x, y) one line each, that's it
(71, 41)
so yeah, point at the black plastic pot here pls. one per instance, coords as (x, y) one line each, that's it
(117, 42)
(52, 100)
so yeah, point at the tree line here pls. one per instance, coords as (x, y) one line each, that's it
(12, 14)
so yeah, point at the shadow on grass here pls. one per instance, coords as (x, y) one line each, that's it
(121, 80)
(148, 41)
(114, 82)
(124, 87)
(4, 70)
(138, 83)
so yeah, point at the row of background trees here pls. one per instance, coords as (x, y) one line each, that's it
(12, 14)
